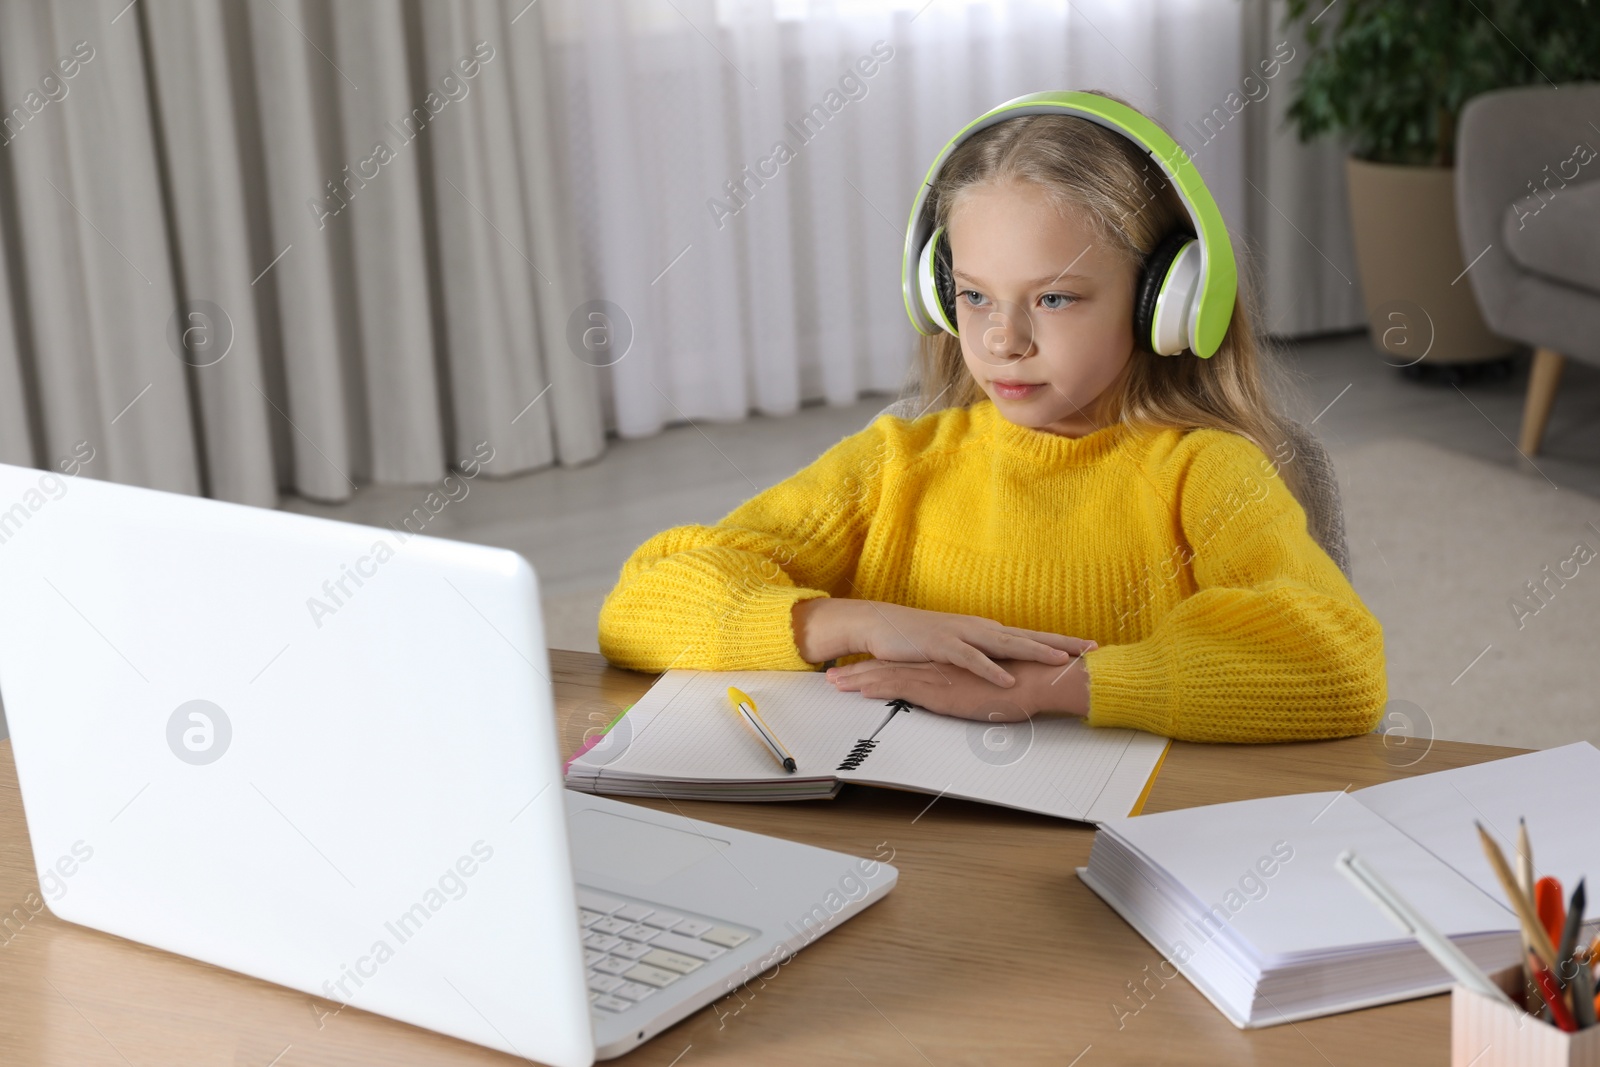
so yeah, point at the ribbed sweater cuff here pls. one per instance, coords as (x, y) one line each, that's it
(1130, 687)
(763, 637)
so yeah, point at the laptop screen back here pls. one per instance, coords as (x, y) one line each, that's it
(318, 753)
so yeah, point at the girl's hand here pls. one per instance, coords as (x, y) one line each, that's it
(950, 690)
(900, 634)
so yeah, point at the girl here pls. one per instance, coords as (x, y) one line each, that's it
(1087, 529)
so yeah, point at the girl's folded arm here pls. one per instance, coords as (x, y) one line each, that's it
(1274, 645)
(721, 597)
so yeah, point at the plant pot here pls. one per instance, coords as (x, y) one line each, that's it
(1419, 306)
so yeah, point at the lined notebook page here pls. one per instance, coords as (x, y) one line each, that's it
(686, 728)
(1057, 766)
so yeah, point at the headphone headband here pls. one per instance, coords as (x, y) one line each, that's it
(1211, 307)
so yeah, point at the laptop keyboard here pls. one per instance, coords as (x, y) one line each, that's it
(633, 950)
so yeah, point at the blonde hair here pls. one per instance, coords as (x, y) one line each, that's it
(1084, 166)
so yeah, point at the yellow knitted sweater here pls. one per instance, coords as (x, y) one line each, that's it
(1183, 554)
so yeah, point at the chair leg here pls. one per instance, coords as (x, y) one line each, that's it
(1542, 382)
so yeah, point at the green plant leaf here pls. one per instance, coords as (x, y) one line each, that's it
(1391, 76)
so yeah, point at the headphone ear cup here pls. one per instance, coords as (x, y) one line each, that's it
(1148, 290)
(944, 280)
(936, 285)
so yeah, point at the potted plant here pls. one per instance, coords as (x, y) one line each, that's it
(1391, 77)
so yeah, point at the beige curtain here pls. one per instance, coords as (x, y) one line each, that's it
(284, 245)
(303, 245)
(1296, 208)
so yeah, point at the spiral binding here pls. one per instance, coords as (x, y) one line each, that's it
(863, 747)
(857, 754)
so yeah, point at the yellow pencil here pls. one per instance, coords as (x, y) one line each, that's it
(1525, 883)
(1532, 928)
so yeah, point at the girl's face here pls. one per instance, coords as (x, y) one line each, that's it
(1043, 306)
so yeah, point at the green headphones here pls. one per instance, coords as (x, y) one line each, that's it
(1186, 289)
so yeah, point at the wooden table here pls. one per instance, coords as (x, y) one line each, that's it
(990, 950)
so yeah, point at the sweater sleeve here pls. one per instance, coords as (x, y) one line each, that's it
(1273, 645)
(720, 597)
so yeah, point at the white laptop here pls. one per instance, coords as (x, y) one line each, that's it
(325, 755)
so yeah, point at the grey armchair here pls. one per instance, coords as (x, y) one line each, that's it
(1320, 498)
(1528, 204)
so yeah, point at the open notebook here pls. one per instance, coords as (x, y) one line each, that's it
(1244, 899)
(684, 740)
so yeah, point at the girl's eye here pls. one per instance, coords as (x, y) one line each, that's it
(1050, 301)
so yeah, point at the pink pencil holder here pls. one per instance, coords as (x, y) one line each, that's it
(1487, 1033)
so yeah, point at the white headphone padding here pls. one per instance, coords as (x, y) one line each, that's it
(1175, 305)
(928, 284)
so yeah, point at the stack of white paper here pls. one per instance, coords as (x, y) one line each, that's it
(1244, 899)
